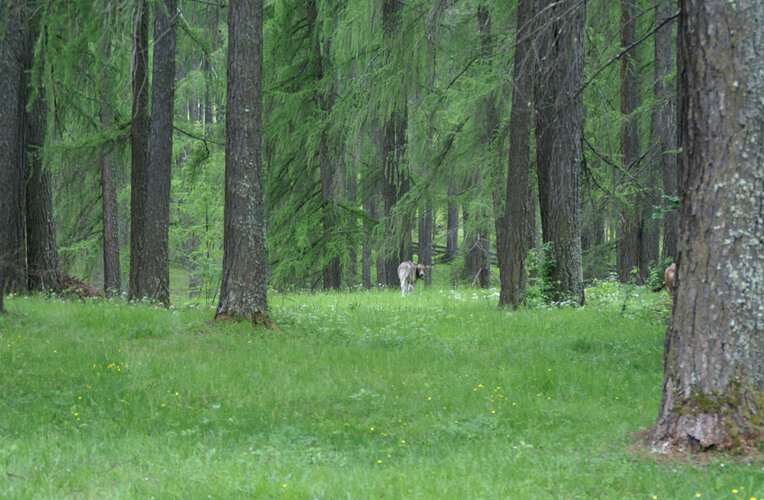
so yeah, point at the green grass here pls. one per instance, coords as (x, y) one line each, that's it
(356, 395)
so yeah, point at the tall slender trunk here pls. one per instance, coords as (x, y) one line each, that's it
(511, 241)
(634, 226)
(424, 256)
(155, 268)
(112, 273)
(663, 126)
(12, 170)
(139, 147)
(395, 181)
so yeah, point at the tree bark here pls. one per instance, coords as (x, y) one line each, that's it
(12, 171)
(139, 148)
(511, 244)
(663, 125)
(328, 165)
(634, 225)
(155, 267)
(713, 389)
(112, 273)
(395, 181)
(559, 126)
(244, 289)
(452, 224)
(424, 256)
(42, 251)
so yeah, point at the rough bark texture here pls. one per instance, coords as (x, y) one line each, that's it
(12, 170)
(559, 125)
(663, 124)
(397, 248)
(511, 244)
(43, 273)
(713, 389)
(139, 147)
(631, 216)
(243, 292)
(329, 169)
(155, 261)
(112, 273)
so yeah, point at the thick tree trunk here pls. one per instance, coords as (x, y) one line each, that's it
(663, 125)
(12, 171)
(244, 289)
(511, 220)
(139, 148)
(155, 267)
(558, 139)
(713, 389)
(42, 250)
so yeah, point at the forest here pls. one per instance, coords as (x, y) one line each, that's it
(537, 148)
(388, 131)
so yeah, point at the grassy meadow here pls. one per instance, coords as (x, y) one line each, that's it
(355, 395)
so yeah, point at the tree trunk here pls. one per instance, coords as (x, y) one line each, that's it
(139, 148)
(155, 267)
(327, 163)
(633, 224)
(112, 274)
(395, 181)
(42, 250)
(511, 245)
(424, 256)
(558, 140)
(713, 389)
(663, 126)
(12, 171)
(243, 292)
(452, 224)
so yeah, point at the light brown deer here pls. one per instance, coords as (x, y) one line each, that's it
(669, 277)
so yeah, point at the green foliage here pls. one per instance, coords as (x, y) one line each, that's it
(655, 278)
(539, 266)
(440, 394)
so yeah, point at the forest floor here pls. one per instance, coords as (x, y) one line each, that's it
(355, 395)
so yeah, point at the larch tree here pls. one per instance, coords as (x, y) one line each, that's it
(512, 214)
(12, 248)
(663, 122)
(112, 274)
(140, 130)
(713, 387)
(243, 291)
(396, 181)
(155, 260)
(632, 227)
(43, 273)
(559, 124)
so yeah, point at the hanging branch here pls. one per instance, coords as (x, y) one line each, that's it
(623, 52)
